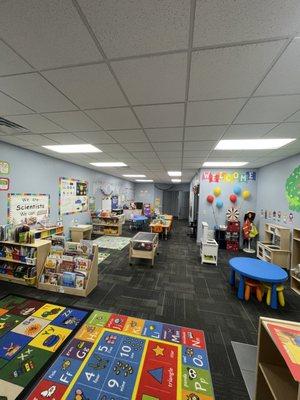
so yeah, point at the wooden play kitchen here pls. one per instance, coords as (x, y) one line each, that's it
(22, 263)
(276, 247)
(278, 360)
(80, 232)
(143, 245)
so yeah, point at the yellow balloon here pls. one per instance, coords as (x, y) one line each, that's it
(217, 191)
(246, 194)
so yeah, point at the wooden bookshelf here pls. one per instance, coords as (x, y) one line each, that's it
(91, 282)
(276, 246)
(295, 268)
(46, 233)
(42, 250)
(274, 380)
(108, 225)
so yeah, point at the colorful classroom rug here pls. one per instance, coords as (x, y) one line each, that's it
(122, 358)
(32, 332)
(102, 257)
(112, 242)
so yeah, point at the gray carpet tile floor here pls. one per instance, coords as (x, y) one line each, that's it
(179, 290)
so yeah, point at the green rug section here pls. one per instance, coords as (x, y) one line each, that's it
(112, 242)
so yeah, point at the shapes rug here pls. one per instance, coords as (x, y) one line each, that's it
(118, 357)
(112, 242)
(31, 332)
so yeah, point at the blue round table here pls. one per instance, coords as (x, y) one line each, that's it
(259, 270)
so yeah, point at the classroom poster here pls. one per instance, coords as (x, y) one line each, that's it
(4, 167)
(288, 342)
(4, 184)
(28, 208)
(73, 196)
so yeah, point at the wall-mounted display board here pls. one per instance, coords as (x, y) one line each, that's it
(4, 167)
(73, 196)
(27, 208)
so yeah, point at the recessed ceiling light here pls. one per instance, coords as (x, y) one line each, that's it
(134, 176)
(176, 180)
(73, 148)
(252, 144)
(174, 173)
(144, 180)
(224, 163)
(109, 164)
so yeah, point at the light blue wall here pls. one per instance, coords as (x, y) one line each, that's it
(206, 210)
(144, 192)
(36, 173)
(271, 191)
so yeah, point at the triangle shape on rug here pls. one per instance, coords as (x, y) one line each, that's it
(157, 374)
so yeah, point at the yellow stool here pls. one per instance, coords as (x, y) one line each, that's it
(279, 289)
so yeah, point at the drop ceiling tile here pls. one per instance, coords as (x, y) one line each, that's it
(129, 136)
(73, 121)
(284, 76)
(238, 155)
(165, 134)
(231, 22)
(213, 112)
(47, 33)
(9, 106)
(36, 140)
(204, 132)
(165, 115)
(17, 141)
(90, 86)
(146, 155)
(216, 74)
(167, 155)
(294, 118)
(65, 138)
(168, 146)
(36, 123)
(268, 109)
(247, 131)
(287, 130)
(133, 27)
(114, 118)
(95, 137)
(195, 154)
(146, 146)
(35, 92)
(202, 145)
(10, 62)
(112, 148)
(159, 79)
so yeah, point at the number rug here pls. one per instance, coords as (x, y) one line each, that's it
(32, 332)
(118, 357)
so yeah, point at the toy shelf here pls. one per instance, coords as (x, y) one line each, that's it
(42, 249)
(46, 233)
(276, 245)
(209, 252)
(295, 267)
(91, 282)
(274, 377)
(143, 245)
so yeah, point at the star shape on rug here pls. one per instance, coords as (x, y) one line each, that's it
(159, 351)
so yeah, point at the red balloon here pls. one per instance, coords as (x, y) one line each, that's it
(210, 198)
(233, 198)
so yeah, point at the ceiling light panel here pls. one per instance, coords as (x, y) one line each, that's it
(74, 148)
(109, 164)
(252, 144)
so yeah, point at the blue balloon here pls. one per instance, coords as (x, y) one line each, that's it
(219, 203)
(237, 190)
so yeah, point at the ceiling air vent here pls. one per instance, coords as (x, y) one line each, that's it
(8, 127)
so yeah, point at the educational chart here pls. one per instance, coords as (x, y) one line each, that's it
(118, 357)
(27, 208)
(31, 332)
(73, 196)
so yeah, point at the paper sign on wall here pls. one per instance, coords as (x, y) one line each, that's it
(4, 184)
(73, 196)
(28, 208)
(4, 167)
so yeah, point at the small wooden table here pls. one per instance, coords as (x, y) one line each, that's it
(166, 227)
(80, 232)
